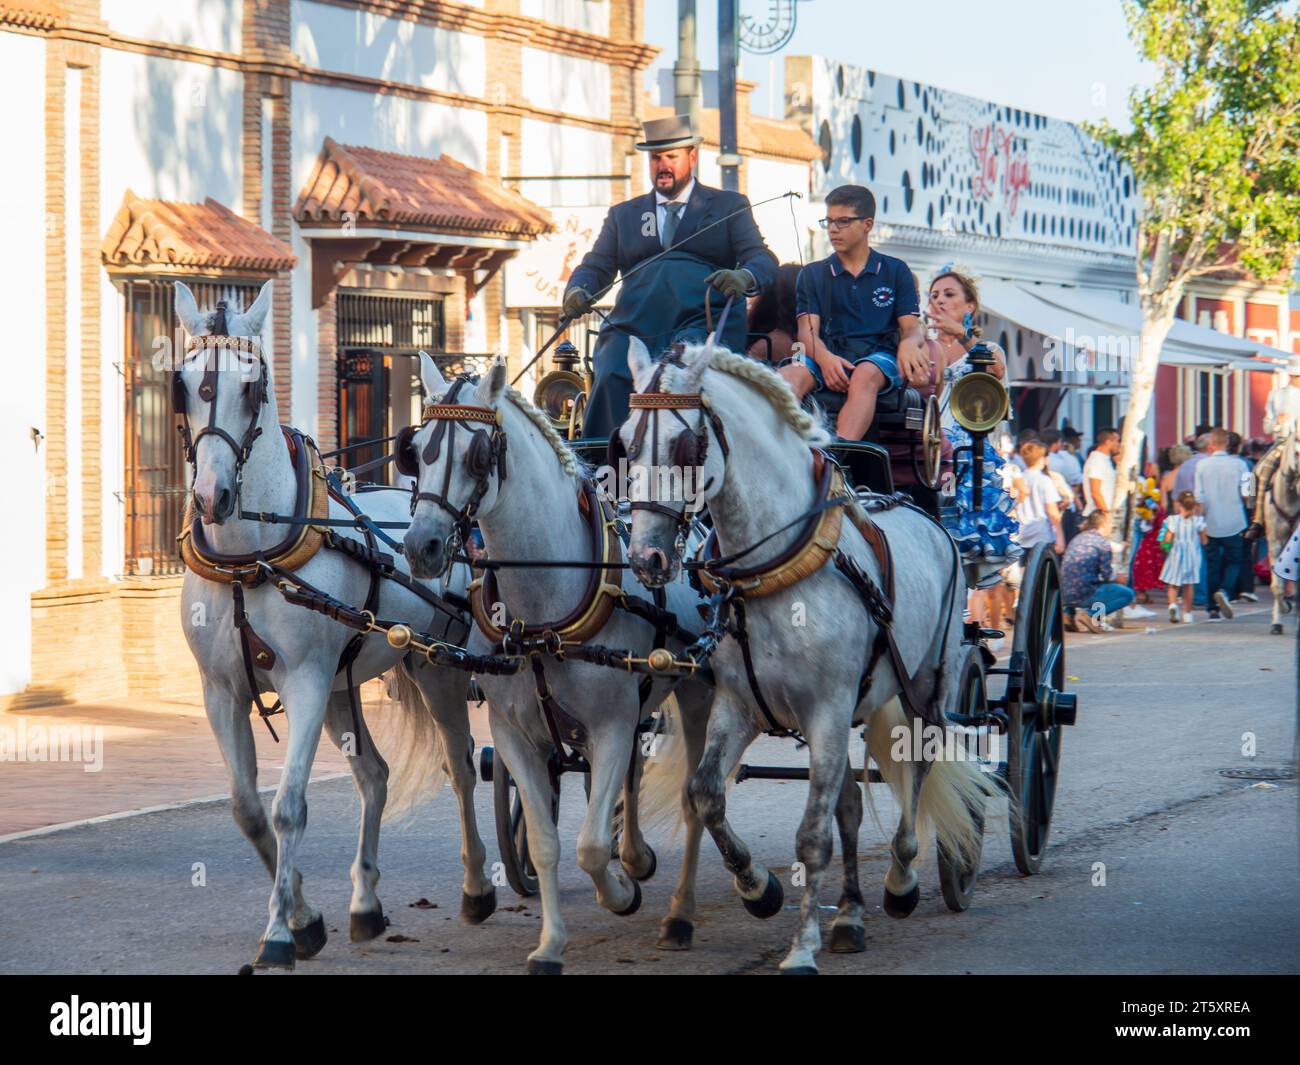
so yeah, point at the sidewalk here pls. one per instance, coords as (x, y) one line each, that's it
(154, 753)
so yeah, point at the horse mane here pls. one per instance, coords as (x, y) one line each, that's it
(771, 386)
(562, 450)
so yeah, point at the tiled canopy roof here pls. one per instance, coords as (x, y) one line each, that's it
(372, 188)
(190, 237)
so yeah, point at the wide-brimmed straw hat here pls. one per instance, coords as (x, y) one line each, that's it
(664, 133)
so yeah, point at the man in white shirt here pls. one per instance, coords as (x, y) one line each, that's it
(1039, 512)
(1221, 481)
(1064, 465)
(1281, 417)
(1099, 473)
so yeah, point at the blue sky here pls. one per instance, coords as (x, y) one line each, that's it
(1064, 59)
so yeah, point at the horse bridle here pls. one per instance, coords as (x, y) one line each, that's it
(487, 452)
(255, 392)
(690, 448)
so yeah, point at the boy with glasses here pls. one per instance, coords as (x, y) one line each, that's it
(859, 317)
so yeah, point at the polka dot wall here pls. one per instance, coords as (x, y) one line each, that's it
(951, 162)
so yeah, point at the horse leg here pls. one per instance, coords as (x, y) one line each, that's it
(615, 889)
(677, 929)
(637, 856)
(730, 731)
(228, 717)
(847, 934)
(445, 694)
(370, 776)
(902, 885)
(528, 767)
(305, 696)
(828, 745)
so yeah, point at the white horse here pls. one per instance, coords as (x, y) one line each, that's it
(1281, 513)
(533, 514)
(306, 645)
(811, 642)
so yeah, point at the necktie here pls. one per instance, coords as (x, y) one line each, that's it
(671, 212)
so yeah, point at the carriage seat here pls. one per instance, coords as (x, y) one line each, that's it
(901, 410)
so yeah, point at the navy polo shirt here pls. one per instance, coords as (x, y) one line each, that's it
(865, 308)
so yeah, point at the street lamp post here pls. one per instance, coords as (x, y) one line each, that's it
(728, 54)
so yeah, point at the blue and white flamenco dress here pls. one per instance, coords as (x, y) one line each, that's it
(986, 538)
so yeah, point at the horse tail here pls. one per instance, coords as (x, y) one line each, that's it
(663, 782)
(952, 788)
(418, 770)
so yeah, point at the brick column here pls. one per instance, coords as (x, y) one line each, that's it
(327, 378)
(56, 332)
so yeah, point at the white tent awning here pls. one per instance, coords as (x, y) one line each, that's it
(1062, 313)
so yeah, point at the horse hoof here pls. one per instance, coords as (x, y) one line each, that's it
(309, 940)
(675, 934)
(848, 939)
(634, 905)
(538, 967)
(245, 970)
(274, 954)
(478, 908)
(902, 905)
(799, 970)
(769, 903)
(654, 864)
(1275, 630)
(364, 927)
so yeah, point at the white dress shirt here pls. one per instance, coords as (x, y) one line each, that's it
(1098, 467)
(683, 197)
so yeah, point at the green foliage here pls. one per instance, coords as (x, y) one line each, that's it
(1215, 144)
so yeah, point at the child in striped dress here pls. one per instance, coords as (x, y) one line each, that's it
(1182, 535)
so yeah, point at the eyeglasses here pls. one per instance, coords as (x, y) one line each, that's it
(838, 223)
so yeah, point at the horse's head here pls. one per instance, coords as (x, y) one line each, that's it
(457, 457)
(675, 459)
(219, 389)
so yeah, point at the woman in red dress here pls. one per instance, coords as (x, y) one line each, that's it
(1148, 558)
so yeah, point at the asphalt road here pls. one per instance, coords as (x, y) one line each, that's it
(1200, 869)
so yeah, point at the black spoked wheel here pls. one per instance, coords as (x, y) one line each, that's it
(512, 829)
(957, 876)
(1037, 706)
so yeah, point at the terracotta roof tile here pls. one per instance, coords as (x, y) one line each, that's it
(374, 188)
(190, 236)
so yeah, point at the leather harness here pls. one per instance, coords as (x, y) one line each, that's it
(818, 542)
(300, 545)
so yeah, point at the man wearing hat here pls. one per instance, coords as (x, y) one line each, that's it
(1281, 417)
(663, 305)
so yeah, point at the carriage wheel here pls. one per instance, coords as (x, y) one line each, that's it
(931, 444)
(957, 878)
(512, 829)
(1037, 707)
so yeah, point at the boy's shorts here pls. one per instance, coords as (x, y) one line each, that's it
(886, 362)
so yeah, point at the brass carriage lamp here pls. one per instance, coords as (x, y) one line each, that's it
(979, 402)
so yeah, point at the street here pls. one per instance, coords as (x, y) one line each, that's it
(1158, 863)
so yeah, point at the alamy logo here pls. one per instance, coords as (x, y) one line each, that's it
(103, 1018)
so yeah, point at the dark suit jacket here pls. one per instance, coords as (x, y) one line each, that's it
(626, 239)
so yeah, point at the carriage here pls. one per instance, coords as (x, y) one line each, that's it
(1028, 716)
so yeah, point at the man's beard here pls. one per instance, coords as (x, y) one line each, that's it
(674, 188)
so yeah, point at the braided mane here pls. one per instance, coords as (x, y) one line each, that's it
(566, 456)
(769, 383)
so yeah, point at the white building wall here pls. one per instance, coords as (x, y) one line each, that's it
(22, 399)
(565, 83)
(212, 24)
(350, 41)
(170, 130)
(589, 15)
(548, 148)
(786, 234)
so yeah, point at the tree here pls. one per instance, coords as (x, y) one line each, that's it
(1215, 148)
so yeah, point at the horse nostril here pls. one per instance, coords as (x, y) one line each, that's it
(434, 547)
(658, 560)
(223, 502)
